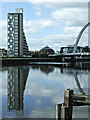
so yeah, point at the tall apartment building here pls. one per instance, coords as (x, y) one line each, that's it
(17, 44)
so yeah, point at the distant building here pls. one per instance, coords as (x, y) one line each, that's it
(47, 50)
(69, 49)
(17, 44)
(3, 52)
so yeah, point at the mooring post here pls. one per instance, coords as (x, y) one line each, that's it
(58, 111)
(64, 110)
(61, 111)
(68, 101)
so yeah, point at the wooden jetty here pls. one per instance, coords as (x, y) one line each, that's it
(64, 111)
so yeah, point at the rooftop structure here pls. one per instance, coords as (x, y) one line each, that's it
(47, 50)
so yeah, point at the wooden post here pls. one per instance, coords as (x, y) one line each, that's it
(58, 111)
(61, 111)
(68, 101)
(64, 111)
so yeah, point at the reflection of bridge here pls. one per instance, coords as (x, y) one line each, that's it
(75, 74)
(17, 77)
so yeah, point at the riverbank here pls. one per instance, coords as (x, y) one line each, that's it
(26, 61)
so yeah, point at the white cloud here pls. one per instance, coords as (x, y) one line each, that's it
(66, 37)
(38, 14)
(36, 26)
(71, 16)
(63, 17)
(3, 31)
(61, 3)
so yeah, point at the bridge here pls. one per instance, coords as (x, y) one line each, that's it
(69, 57)
(71, 54)
(73, 51)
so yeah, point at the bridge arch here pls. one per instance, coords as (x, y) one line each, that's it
(79, 36)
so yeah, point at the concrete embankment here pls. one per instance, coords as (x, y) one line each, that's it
(26, 61)
(23, 61)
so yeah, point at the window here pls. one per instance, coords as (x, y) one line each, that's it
(16, 47)
(16, 27)
(10, 17)
(15, 35)
(16, 41)
(16, 53)
(15, 23)
(16, 30)
(11, 46)
(16, 20)
(10, 40)
(11, 35)
(15, 50)
(10, 28)
(16, 15)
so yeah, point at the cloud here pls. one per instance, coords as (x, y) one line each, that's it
(69, 16)
(61, 3)
(38, 13)
(66, 17)
(3, 31)
(36, 26)
(66, 37)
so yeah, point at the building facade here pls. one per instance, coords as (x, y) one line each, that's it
(17, 44)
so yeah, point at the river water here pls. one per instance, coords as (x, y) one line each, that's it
(33, 91)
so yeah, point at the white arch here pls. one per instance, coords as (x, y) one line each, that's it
(79, 36)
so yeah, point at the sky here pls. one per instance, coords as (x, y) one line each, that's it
(55, 24)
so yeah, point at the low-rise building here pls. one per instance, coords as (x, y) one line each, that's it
(3, 52)
(47, 50)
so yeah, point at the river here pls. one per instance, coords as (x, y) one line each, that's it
(33, 91)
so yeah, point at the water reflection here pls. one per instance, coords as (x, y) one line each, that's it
(78, 83)
(49, 69)
(34, 90)
(17, 78)
(44, 68)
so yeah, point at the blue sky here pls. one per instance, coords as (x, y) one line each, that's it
(29, 9)
(55, 25)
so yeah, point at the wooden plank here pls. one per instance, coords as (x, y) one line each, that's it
(81, 100)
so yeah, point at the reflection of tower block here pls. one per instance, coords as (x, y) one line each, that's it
(11, 88)
(16, 84)
(15, 101)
